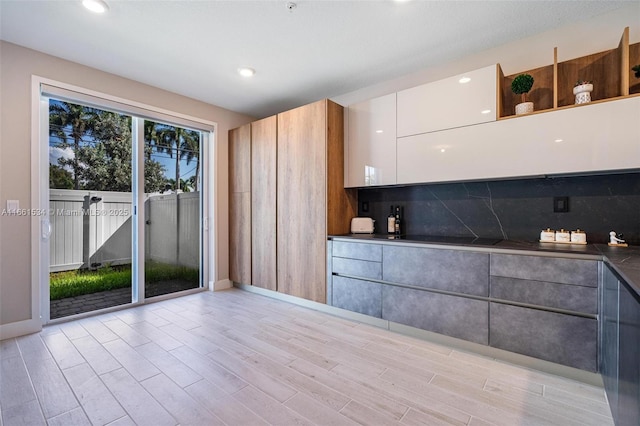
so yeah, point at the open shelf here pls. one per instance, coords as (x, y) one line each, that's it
(541, 93)
(634, 59)
(609, 71)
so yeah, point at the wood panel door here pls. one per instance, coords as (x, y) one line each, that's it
(301, 198)
(263, 202)
(240, 204)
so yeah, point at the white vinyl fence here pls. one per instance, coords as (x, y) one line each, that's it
(91, 229)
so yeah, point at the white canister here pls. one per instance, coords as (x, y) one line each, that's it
(578, 236)
(548, 235)
(563, 236)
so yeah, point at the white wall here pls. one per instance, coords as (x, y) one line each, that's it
(17, 65)
(573, 41)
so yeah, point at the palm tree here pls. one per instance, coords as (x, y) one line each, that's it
(180, 144)
(67, 120)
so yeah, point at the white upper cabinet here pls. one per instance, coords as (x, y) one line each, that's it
(465, 99)
(592, 138)
(371, 158)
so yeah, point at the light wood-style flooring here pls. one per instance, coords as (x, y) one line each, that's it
(238, 358)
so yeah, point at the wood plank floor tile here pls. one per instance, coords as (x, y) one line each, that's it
(177, 402)
(156, 335)
(247, 372)
(193, 341)
(98, 330)
(209, 369)
(53, 391)
(126, 333)
(9, 348)
(96, 355)
(15, 383)
(63, 351)
(75, 417)
(269, 409)
(365, 415)
(352, 389)
(94, 397)
(168, 364)
(225, 406)
(137, 402)
(317, 412)
(138, 366)
(28, 413)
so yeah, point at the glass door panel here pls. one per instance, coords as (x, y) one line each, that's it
(172, 209)
(90, 206)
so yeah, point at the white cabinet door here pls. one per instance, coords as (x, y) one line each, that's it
(371, 158)
(590, 138)
(449, 103)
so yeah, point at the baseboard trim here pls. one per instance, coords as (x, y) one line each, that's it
(20, 328)
(220, 285)
(593, 379)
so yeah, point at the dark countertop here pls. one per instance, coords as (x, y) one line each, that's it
(624, 260)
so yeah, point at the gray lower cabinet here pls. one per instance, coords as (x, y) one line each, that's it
(543, 268)
(361, 251)
(357, 268)
(451, 270)
(620, 346)
(610, 338)
(564, 339)
(360, 296)
(541, 293)
(453, 316)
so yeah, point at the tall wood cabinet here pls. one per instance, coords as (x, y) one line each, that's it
(297, 198)
(240, 204)
(263, 202)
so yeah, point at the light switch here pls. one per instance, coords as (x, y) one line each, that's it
(13, 205)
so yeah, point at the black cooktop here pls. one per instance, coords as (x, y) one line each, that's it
(442, 240)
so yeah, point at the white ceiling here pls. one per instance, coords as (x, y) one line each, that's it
(320, 49)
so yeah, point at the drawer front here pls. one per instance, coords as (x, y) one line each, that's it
(360, 296)
(357, 268)
(549, 269)
(361, 251)
(553, 295)
(453, 316)
(451, 270)
(559, 338)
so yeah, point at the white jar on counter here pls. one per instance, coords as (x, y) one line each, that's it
(548, 235)
(578, 236)
(563, 236)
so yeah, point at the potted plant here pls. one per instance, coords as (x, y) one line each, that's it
(636, 69)
(582, 89)
(521, 86)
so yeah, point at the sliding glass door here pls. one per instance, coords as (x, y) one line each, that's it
(125, 208)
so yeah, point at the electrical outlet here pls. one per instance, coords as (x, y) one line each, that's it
(560, 204)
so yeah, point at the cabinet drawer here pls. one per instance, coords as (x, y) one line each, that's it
(362, 251)
(553, 295)
(560, 338)
(454, 316)
(549, 269)
(451, 270)
(357, 268)
(360, 296)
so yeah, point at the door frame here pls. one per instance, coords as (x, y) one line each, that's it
(40, 225)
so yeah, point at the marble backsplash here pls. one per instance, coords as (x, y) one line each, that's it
(513, 209)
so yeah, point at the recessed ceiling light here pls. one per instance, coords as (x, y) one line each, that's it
(378, 131)
(485, 111)
(558, 140)
(96, 6)
(246, 72)
(464, 80)
(442, 150)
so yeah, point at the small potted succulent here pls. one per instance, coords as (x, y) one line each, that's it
(521, 86)
(582, 89)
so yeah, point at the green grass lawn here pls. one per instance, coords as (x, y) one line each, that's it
(76, 283)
